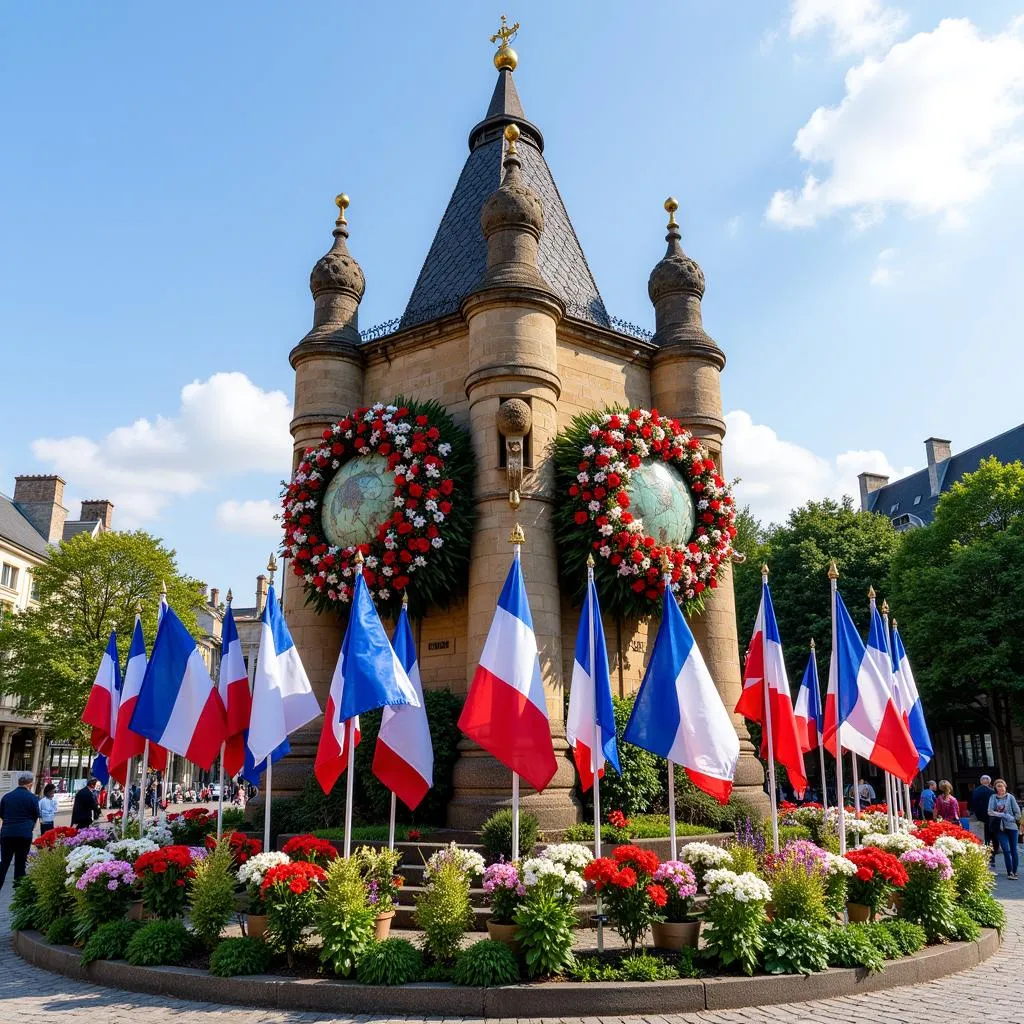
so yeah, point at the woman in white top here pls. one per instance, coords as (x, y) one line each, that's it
(47, 808)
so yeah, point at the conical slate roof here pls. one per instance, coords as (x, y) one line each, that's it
(458, 255)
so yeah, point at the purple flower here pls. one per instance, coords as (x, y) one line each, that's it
(676, 876)
(113, 874)
(747, 835)
(374, 896)
(805, 854)
(198, 852)
(930, 859)
(86, 837)
(503, 875)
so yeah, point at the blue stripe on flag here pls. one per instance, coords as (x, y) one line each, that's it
(850, 653)
(810, 681)
(656, 715)
(876, 633)
(602, 680)
(173, 646)
(228, 632)
(100, 770)
(115, 659)
(278, 627)
(403, 643)
(771, 627)
(513, 595)
(138, 645)
(251, 771)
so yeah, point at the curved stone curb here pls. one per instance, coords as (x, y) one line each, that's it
(541, 1000)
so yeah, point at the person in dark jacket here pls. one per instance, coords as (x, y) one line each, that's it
(980, 796)
(19, 810)
(86, 808)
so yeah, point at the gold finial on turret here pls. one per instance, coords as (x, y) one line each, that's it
(671, 205)
(833, 572)
(512, 134)
(506, 57)
(517, 536)
(341, 201)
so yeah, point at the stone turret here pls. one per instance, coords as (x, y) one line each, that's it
(685, 383)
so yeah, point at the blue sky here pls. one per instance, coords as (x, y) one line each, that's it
(169, 173)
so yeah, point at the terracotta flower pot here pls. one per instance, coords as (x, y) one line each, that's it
(382, 925)
(135, 911)
(858, 912)
(675, 934)
(505, 934)
(256, 926)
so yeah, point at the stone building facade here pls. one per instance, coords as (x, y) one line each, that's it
(506, 307)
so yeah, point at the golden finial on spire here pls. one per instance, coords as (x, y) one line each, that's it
(231, 596)
(833, 572)
(341, 201)
(506, 57)
(517, 536)
(671, 205)
(871, 593)
(885, 606)
(512, 134)
(812, 643)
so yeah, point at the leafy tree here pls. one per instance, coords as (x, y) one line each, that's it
(89, 586)
(798, 554)
(958, 593)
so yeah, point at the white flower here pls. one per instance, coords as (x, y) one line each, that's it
(82, 857)
(159, 834)
(437, 542)
(419, 561)
(745, 888)
(399, 500)
(588, 450)
(704, 855)
(444, 449)
(604, 550)
(131, 849)
(572, 855)
(897, 843)
(950, 847)
(582, 477)
(469, 862)
(594, 506)
(836, 865)
(253, 870)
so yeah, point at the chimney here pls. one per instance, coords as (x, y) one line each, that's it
(98, 510)
(937, 451)
(261, 593)
(39, 500)
(869, 482)
(215, 596)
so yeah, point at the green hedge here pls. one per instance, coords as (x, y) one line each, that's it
(642, 826)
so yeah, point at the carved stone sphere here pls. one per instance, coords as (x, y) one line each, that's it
(513, 205)
(337, 271)
(514, 418)
(675, 273)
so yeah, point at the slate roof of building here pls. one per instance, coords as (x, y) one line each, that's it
(76, 526)
(898, 498)
(14, 527)
(457, 257)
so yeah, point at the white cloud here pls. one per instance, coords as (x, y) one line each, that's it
(854, 26)
(252, 517)
(224, 426)
(776, 475)
(921, 129)
(884, 272)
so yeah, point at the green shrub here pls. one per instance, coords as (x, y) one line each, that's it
(546, 930)
(787, 833)
(25, 912)
(344, 917)
(971, 874)
(909, 937)
(964, 927)
(928, 901)
(486, 963)
(211, 893)
(589, 969)
(884, 941)
(234, 820)
(852, 946)
(61, 930)
(496, 835)
(743, 858)
(109, 941)
(158, 943)
(689, 963)
(793, 946)
(643, 967)
(53, 895)
(985, 909)
(641, 826)
(444, 912)
(365, 833)
(391, 962)
(240, 956)
(797, 894)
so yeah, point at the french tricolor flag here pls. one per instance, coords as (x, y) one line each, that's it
(678, 712)
(233, 686)
(506, 712)
(127, 743)
(590, 723)
(860, 706)
(101, 708)
(368, 676)
(912, 700)
(808, 713)
(765, 666)
(404, 756)
(178, 706)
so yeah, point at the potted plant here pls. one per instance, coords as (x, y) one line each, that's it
(290, 894)
(163, 877)
(679, 928)
(242, 846)
(250, 874)
(505, 889)
(870, 888)
(104, 894)
(625, 882)
(310, 849)
(379, 868)
(703, 857)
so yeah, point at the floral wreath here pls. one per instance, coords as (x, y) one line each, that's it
(423, 547)
(595, 459)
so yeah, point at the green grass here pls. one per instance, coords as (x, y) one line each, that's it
(366, 833)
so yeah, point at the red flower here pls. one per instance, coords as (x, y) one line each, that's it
(624, 878)
(659, 897)
(623, 499)
(310, 849)
(618, 820)
(54, 836)
(296, 877)
(581, 517)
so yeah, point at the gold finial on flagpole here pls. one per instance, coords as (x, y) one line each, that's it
(833, 572)
(138, 608)
(359, 558)
(231, 596)
(405, 599)
(517, 536)
(666, 563)
(272, 563)
(871, 593)
(590, 561)
(764, 569)
(163, 589)
(885, 606)
(812, 643)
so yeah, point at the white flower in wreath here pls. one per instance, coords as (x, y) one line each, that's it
(641, 448)
(315, 560)
(388, 571)
(624, 569)
(399, 501)
(615, 512)
(444, 449)
(410, 513)
(600, 476)
(390, 543)
(582, 477)
(606, 531)
(408, 453)
(401, 470)
(332, 577)
(419, 561)
(594, 506)
(430, 505)
(437, 542)
(374, 436)
(617, 436)
(433, 471)
(419, 522)
(589, 449)
(438, 517)
(604, 551)
(308, 577)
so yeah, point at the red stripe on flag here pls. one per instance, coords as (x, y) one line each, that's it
(239, 706)
(581, 754)
(331, 759)
(508, 725)
(751, 702)
(894, 750)
(234, 755)
(98, 712)
(209, 733)
(718, 788)
(399, 776)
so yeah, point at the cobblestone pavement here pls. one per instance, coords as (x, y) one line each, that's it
(992, 991)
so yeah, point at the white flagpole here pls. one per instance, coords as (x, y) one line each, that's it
(266, 802)
(142, 788)
(220, 796)
(672, 841)
(597, 744)
(517, 538)
(350, 738)
(768, 726)
(856, 784)
(391, 824)
(833, 577)
(821, 745)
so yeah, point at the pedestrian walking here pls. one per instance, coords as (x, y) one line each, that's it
(928, 798)
(47, 808)
(1004, 814)
(19, 810)
(947, 807)
(980, 797)
(86, 808)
